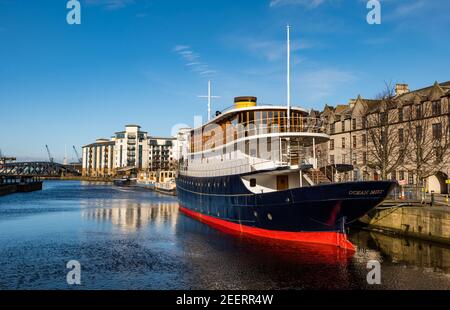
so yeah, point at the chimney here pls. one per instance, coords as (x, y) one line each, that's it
(401, 89)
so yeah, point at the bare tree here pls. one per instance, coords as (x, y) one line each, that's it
(386, 140)
(430, 141)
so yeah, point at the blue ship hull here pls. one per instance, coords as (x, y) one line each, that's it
(290, 215)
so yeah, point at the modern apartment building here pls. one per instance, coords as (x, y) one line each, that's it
(131, 149)
(98, 159)
(161, 154)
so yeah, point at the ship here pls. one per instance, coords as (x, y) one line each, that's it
(253, 170)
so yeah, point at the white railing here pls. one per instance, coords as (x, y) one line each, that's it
(255, 128)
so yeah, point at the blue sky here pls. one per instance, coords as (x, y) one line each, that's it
(146, 61)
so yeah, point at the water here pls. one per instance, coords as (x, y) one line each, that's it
(136, 239)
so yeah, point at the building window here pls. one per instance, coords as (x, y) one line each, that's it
(332, 128)
(394, 175)
(354, 159)
(343, 143)
(436, 107)
(354, 124)
(383, 118)
(438, 154)
(344, 159)
(402, 175)
(355, 176)
(419, 133)
(343, 126)
(332, 159)
(364, 140)
(331, 144)
(410, 178)
(354, 142)
(437, 131)
(401, 135)
(364, 158)
(418, 111)
(400, 114)
(363, 122)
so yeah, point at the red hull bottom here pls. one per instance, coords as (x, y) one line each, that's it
(326, 238)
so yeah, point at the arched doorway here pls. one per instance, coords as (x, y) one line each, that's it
(437, 183)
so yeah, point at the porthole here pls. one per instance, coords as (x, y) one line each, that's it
(269, 216)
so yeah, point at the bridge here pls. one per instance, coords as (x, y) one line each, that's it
(37, 169)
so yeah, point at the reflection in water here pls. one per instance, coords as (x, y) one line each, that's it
(131, 217)
(411, 252)
(136, 239)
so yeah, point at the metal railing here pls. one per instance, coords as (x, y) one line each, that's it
(215, 136)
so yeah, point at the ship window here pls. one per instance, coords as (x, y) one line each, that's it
(252, 182)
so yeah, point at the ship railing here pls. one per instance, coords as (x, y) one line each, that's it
(215, 136)
(234, 167)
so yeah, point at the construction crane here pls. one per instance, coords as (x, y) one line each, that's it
(76, 154)
(50, 158)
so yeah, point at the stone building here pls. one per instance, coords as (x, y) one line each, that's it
(403, 136)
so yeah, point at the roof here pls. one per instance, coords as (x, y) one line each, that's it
(162, 138)
(100, 144)
(436, 90)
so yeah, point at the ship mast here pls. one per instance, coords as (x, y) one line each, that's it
(209, 97)
(288, 28)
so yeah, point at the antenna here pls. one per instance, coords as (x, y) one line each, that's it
(288, 28)
(209, 99)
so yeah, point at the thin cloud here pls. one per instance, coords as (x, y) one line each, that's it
(319, 85)
(270, 50)
(411, 7)
(306, 3)
(110, 4)
(192, 60)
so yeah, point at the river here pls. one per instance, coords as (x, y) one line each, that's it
(128, 238)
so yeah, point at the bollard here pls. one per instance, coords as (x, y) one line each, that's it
(432, 198)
